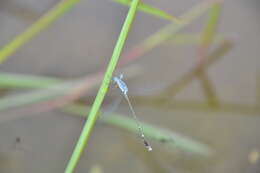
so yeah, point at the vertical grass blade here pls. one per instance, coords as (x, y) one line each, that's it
(207, 38)
(35, 28)
(258, 90)
(211, 25)
(82, 141)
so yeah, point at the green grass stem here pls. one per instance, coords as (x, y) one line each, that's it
(169, 31)
(35, 28)
(148, 101)
(158, 134)
(192, 39)
(209, 31)
(151, 10)
(8, 80)
(51, 16)
(207, 38)
(186, 78)
(113, 119)
(51, 91)
(83, 139)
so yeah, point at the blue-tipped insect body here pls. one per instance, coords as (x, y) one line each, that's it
(123, 87)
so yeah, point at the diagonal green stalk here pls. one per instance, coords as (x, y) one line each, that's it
(211, 25)
(207, 38)
(35, 28)
(51, 16)
(192, 39)
(148, 9)
(176, 87)
(158, 134)
(93, 114)
(168, 32)
(65, 5)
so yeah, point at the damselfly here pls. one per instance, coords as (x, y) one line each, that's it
(124, 90)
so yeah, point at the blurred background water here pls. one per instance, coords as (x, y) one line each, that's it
(81, 43)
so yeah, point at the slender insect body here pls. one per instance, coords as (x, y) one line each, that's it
(124, 89)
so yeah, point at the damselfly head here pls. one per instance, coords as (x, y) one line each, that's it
(149, 148)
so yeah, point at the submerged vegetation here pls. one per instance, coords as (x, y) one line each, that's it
(47, 93)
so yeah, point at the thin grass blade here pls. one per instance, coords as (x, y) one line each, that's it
(158, 134)
(36, 28)
(207, 38)
(151, 10)
(166, 33)
(83, 139)
(9, 80)
(55, 90)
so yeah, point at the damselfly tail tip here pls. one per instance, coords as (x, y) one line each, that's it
(149, 148)
(147, 145)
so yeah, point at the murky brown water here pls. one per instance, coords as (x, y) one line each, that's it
(72, 48)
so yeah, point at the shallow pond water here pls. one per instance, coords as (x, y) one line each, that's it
(81, 42)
